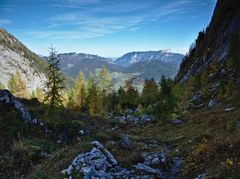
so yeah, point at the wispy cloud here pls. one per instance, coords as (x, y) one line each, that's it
(5, 21)
(63, 6)
(109, 18)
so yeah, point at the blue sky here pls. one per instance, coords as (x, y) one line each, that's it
(108, 28)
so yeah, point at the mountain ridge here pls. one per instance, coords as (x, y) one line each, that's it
(140, 56)
(16, 56)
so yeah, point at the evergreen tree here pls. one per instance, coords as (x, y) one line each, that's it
(90, 82)
(166, 103)
(79, 93)
(70, 100)
(105, 81)
(18, 86)
(111, 102)
(131, 95)
(94, 99)
(55, 82)
(149, 92)
(121, 95)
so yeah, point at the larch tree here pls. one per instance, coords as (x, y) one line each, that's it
(105, 81)
(149, 93)
(94, 98)
(18, 86)
(131, 95)
(79, 93)
(55, 82)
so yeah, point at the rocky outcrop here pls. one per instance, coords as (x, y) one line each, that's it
(100, 163)
(131, 119)
(15, 56)
(8, 98)
(212, 46)
(125, 142)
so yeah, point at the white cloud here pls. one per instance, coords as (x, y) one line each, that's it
(5, 21)
(109, 18)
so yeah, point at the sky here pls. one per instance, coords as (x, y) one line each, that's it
(108, 28)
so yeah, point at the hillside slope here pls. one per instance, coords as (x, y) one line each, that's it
(15, 56)
(71, 63)
(162, 55)
(152, 69)
(212, 47)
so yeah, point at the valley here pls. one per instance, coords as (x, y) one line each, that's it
(147, 114)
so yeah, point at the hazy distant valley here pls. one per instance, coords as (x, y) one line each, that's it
(137, 65)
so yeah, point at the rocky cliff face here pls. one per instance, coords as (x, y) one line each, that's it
(212, 46)
(15, 56)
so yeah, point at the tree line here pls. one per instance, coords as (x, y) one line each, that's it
(96, 94)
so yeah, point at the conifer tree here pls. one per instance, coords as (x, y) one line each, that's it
(166, 103)
(79, 93)
(94, 98)
(131, 95)
(105, 81)
(121, 95)
(55, 82)
(18, 86)
(69, 99)
(149, 92)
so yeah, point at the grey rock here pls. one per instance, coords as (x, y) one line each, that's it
(125, 142)
(201, 176)
(87, 172)
(148, 169)
(98, 163)
(229, 109)
(43, 154)
(155, 161)
(197, 97)
(212, 103)
(176, 167)
(110, 157)
(69, 170)
(97, 144)
(177, 122)
(163, 157)
(81, 132)
(146, 118)
(8, 98)
(155, 158)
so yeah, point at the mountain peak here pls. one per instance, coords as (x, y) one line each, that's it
(141, 56)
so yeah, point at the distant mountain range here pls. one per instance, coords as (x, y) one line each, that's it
(72, 63)
(140, 65)
(164, 56)
(149, 64)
